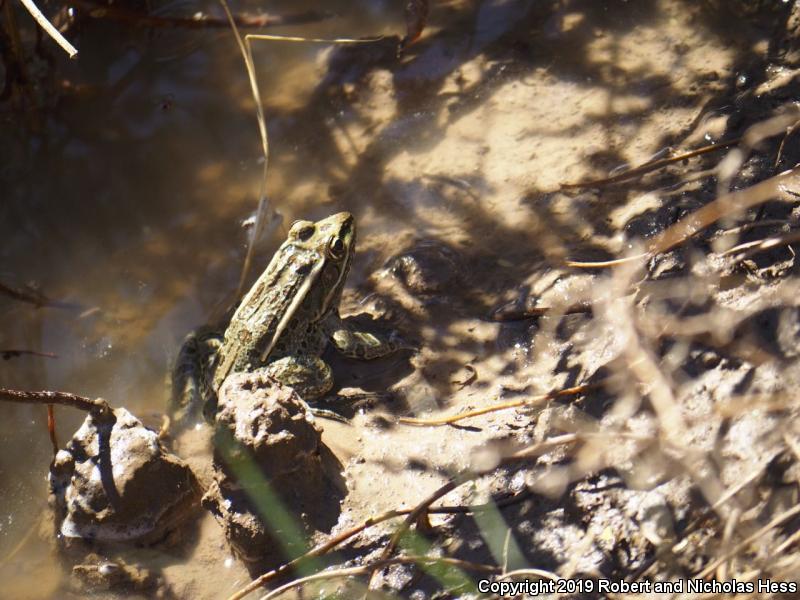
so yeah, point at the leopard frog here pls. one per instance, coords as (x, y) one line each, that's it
(283, 324)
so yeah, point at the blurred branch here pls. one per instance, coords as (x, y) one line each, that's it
(727, 205)
(33, 297)
(366, 569)
(50, 28)
(258, 20)
(342, 537)
(9, 354)
(580, 389)
(423, 507)
(652, 165)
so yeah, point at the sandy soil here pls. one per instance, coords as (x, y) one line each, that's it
(453, 157)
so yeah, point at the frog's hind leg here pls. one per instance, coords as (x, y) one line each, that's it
(190, 377)
(364, 345)
(309, 376)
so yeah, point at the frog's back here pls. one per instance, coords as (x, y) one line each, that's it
(255, 323)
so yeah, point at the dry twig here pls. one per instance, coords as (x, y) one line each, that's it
(98, 407)
(725, 205)
(201, 21)
(422, 508)
(580, 389)
(49, 28)
(342, 537)
(14, 353)
(363, 570)
(33, 297)
(650, 166)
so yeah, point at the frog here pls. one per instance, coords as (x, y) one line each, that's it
(284, 323)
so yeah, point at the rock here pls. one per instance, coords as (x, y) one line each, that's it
(119, 484)
(269, 450)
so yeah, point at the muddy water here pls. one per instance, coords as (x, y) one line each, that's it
(127, 200)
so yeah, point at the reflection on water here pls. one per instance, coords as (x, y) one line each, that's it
(128, 204)
(128, 200)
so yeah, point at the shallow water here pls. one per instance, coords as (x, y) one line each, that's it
(128, 201)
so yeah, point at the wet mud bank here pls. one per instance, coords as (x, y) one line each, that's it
(567, 414)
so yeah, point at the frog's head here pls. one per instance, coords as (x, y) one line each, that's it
(332, 241)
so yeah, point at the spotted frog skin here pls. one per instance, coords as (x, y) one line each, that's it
(284, 323)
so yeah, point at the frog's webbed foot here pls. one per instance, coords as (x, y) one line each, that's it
(190, 377)
(364, 345)
(309, 376)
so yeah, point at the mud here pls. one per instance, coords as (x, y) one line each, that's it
(452, 158)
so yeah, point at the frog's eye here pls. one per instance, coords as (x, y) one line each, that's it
(302, 230)
(336, 248)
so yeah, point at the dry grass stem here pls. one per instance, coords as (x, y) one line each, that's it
(198, 21)
(775, 522)
(264, 211)
(750, 248)
(49, 28)
(580, 389)
(97, 406)
(342, 537)
(14, 353)
(363, 570)
(289, 38)
(728, 205)
(651, 166)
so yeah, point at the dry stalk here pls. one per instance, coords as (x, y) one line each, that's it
(422, 508)
(265, 216)
(775, 522)
(14, 353)
(365, 569)
(580, 389)
(200, 21)
(326, 547)
(49, 28)
(750, 248)
(263, 202)
(97, 407)
(33, 297)
(651, 166)
(727, 205)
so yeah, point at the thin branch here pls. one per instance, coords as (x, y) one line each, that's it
(326, 547)
(652, 165)
(363, 570)
(97, 407)
(50, 28)
(691, 224)
(14, 353)
(32, 297)
(263, 202)
(514, 313)
(781, 518)
(580, 389)
(259, 20)
(288, 38)
(422, 507)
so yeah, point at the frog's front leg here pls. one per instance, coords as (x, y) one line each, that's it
(365, 345)
(309, 376)
(191, 377)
